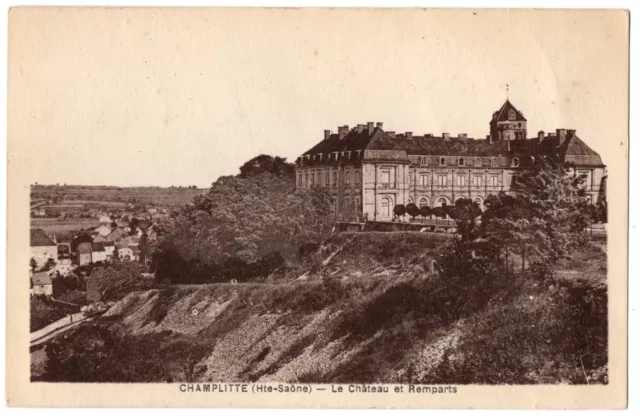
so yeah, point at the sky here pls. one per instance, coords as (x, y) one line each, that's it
(136, 97)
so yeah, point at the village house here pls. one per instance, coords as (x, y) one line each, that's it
(41, 283)
(42, 247)
(83, 252)
(370, 170)
(109, 247)
(98, 252)
(125, 253)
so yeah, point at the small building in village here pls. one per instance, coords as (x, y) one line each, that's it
(42, 247)
(41, 283)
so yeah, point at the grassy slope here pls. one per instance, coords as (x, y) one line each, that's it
(372, 314)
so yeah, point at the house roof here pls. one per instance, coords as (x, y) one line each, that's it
(39, 238)
(84, 248)
(384, 146)
(97, 247)
(108, 243)
(502, 114)
(41, 278)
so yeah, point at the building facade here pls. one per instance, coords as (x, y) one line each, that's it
(370, 170)
(42, 247)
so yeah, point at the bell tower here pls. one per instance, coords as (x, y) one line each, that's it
(508, 124)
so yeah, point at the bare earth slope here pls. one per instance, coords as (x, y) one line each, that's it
(358, 319)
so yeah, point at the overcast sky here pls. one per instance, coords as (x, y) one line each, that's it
(179, 97)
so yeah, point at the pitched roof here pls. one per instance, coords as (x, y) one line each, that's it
(39, 238)
(41, 278)
(502, 114)
(97, 247)
(84, 248)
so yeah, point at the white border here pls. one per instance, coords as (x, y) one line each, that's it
(634, 221)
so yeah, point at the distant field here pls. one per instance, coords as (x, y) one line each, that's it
(116, 196)
(62, 225)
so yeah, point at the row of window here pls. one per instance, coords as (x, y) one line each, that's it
(460, 180)
(424, 160)
(328, 179)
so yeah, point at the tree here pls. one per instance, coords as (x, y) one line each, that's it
(143, 246)
(438, 212)
(544, 218)
(267, 164)
(51, 263)
(425, 211)
(116, 255)
(412, 210)
(399, 210)
(33, 264)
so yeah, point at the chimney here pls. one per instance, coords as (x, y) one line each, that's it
(360, 128)
(343, 131)
(392, 134)
(428, 136)
(462, 136)
(561, 135)
(327, 133)
(370, 127)
(409, 135)
(445, 135)
(540, 136)
(571, 133)
(379, 125)
(489, 139)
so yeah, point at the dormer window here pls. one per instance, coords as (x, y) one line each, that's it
(515, 162)
(424, 160)
(442, 161)
(478, 162)
(348, 154)
(335, 155)
(512, 114)
(320, 156)
(461, 161)
(494, 162)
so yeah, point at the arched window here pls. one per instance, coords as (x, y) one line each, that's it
(515, 162)
(410, 200)
(442, 161)
(460, 161)
(442, 202)
(423, 202)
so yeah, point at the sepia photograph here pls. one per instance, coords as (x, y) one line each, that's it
(319, 200)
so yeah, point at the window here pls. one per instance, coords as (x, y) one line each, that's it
(477, 181)
(442, 161)
(357, 176)
(347, 176)
(313, 176)
(424, 179)
(326, 178)
(478, 162)
(460, 161)
(300, 180)
(494, 162)
(410, 200)
(412, 178)
(424, 202)
(385, 177)
(385, 207)
(424, 161)
(335, 178)
(442, 180)
(512, 114)
(306, 178)
(461, 179)
(515, 162)
(494, 181)
(514, 180)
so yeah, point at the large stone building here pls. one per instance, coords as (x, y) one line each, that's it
(371, 170)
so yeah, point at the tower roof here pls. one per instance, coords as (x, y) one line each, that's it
(502, 114)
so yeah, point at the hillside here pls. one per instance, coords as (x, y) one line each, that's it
(373, 312)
